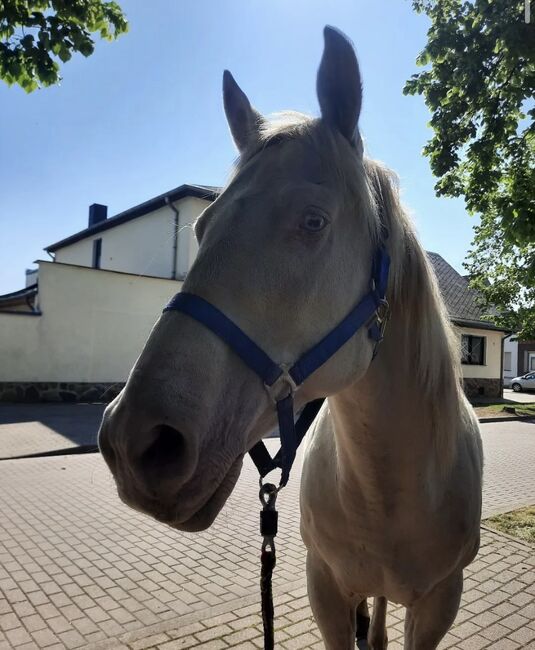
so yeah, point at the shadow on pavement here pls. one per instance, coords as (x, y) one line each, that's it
(38, 428)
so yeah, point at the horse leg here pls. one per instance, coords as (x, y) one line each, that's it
(334, 613)
(377, 637)
(362, 624)
(428, 620)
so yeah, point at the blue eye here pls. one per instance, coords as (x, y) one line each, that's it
(314, 222)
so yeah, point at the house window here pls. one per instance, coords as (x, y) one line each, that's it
(473, 350)
(97, 253)
(507, 360)
(531, 361)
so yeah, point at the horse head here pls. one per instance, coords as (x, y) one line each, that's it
(285, 252)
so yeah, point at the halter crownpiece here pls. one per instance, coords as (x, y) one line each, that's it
(281, 381)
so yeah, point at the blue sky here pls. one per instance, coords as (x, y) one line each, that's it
(144, 114)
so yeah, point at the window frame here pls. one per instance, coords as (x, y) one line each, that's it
(97, 253)
(470, 340)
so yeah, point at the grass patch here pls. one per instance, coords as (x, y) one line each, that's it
(518, 523)
(499, 409)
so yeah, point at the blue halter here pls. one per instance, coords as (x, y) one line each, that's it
(282, 382)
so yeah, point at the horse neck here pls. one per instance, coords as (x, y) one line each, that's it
(386, 428)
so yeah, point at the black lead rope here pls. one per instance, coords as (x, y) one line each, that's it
(268, 530)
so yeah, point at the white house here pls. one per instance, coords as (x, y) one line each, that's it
(75, 331)
(510, 360)
(518, 358)
(481, 341)
(160, 244)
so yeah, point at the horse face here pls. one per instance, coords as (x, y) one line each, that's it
(285, 252)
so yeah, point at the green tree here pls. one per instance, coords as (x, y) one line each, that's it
(34, 33)
(479, 83)
(503, 274)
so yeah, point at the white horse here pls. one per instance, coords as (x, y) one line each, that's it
(391, 484)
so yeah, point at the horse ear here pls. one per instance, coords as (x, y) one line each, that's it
(339, 85)
(244, 121)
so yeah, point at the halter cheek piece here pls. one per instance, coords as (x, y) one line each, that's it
(282, 382)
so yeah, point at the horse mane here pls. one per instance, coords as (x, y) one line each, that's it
(428, 334)
(414, 295)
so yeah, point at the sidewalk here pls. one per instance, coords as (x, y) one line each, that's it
(80, 570)
(520, 398)
(38, 428)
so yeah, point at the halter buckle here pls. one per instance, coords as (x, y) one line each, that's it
(382, 313)
(282, 387)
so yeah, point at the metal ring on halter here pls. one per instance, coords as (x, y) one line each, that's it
(282, 387)
(383, 310)
(380, 315)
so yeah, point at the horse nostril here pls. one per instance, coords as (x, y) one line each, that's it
(167, 456)
(167, 445)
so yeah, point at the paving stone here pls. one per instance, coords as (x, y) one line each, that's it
(71, 639)
(18, 636)
(149, 642)
(213, 633)
(33, 623)
(523, 636)
(45, 638)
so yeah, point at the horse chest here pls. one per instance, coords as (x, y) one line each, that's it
(376, 562)
(400, 554)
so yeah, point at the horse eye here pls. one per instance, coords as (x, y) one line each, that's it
(314, 222)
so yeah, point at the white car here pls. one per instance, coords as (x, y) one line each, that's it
(525, 382)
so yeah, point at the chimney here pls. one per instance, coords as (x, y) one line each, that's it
(97, 213)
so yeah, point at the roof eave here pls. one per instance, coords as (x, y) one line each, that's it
(183, 191)
(478, 324)
(30, 290)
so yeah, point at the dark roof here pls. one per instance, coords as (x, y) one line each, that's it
(461, 300)
(18, 298)
(20, 294)
(207, 192)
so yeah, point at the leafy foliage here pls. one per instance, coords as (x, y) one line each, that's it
(503, 274)
(479, 83)
(34, 33)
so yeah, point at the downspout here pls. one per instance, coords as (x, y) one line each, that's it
(176, 223)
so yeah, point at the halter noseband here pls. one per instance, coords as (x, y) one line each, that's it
(281, 381)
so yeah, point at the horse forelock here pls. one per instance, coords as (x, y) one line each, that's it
(336, 153)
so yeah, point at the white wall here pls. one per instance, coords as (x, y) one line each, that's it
(512, 347)
(93, 326)
(493, 355)
(189, 210)
(143, 245)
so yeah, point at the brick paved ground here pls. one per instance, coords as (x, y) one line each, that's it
(80, 570)
(509, 479)
(36, 428)
(498, 611)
